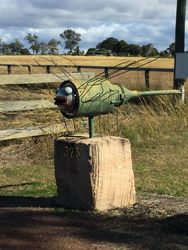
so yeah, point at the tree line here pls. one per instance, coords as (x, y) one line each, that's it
(71, 39)
(36, 47)
(112, 46)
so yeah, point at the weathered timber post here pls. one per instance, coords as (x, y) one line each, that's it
(78, 68)
(48, 69)
(29, 69)
(147, 80)
(9, 69)
(106, 72)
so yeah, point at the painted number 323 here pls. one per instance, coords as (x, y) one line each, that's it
(71, 152)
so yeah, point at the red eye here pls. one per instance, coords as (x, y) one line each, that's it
(60, 100)
(67, 99)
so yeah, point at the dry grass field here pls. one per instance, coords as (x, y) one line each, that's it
(88, 61)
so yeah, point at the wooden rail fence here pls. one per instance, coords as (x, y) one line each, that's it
(48, 68)
(14, 106)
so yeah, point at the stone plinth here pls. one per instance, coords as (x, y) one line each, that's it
(94, 173)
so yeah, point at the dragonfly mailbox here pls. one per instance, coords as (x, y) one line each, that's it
(79, 98)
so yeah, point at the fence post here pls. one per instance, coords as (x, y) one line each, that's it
(48, 69)
(29, 69)
(9, 68)
(106, 72)
(78, 68)
(147, 80)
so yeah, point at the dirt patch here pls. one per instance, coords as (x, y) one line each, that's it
(155, 222)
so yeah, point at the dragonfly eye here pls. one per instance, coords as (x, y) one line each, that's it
(67, 99)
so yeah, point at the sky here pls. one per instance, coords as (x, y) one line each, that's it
(134, 21)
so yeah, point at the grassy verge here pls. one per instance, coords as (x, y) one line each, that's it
(160, 166)
(28, 180)
(159, 138)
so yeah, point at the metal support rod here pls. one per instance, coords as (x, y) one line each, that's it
(91, 126)
(179, 36)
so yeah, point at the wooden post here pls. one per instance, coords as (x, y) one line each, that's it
(147, 78)
(48, 69)
(29, 69)
(9, 68)
(106, 72)
(78, 68)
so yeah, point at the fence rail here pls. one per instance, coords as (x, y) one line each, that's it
(19, 133)
(41, 78)
(14, 106)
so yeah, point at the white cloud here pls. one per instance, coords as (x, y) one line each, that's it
(134, 21)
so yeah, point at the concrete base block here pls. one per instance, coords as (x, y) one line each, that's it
(94, 173)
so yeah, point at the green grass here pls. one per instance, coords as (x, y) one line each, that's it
(160, 166)
(159, 148)
(35, 181)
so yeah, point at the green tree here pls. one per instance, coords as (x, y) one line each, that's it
(91, 51)
(36, 48)
(134, 50)
(71, 39)
(164, 53)
(121, 48)
(6, 50)
(16, 47)
(108, 44)
(77, 51)
(34, 43)
(53, 46)
(43, 48)
(13, 48)
(149, 50)
(171, 49)
(1, 46)
(24, 51)
(101, 51)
